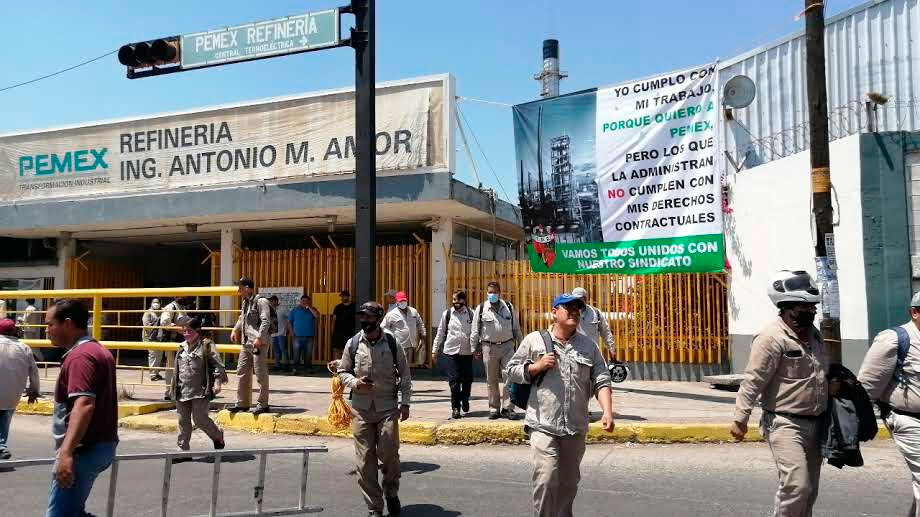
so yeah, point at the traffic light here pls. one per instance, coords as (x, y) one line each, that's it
(163, 51)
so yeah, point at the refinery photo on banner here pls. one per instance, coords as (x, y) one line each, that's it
(622, 179)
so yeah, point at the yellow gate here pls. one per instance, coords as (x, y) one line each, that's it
(330, 270)
(678, 318)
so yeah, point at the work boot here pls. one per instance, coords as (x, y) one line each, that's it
(236, 409)
(393, 506)
(455, 414)
(493, 415)
(510, 414)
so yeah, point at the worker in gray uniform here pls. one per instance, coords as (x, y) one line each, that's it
(787, 370)
(374, 367)
(594, 323)
(495, 334)
(253, 331)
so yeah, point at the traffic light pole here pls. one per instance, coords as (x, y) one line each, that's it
(362, 40)
(816, 84)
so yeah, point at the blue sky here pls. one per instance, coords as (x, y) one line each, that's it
(492, 47)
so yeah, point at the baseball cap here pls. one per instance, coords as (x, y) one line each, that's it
(401, 297)
(8, 327)
(580, 292)
(565, 298)
(372, 309)
(915, 301)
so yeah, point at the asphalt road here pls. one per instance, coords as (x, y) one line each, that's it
(622, 480)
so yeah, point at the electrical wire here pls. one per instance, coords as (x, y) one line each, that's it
(483, 101)
(59, 72)
(481, 151)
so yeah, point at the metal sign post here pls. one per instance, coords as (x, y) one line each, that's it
(284, 36)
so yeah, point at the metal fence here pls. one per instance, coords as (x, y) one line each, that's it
(330, 270)
(678, 318)
(169, 458)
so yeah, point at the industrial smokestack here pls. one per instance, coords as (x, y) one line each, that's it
(550, 76)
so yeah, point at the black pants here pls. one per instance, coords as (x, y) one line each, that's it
(460, 378)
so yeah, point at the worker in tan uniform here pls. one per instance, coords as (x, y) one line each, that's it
(375, 368)
(494, 335)
(253, 332)
(788, 371)
(890, 373)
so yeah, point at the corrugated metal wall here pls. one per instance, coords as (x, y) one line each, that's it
(870, 48)
(680, 318)
(329, 270)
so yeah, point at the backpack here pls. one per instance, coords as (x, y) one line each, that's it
(903, 348)
(520, 393)
(391, 342)
(273, 315)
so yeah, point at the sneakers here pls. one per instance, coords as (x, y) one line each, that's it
(375, 513)
(236, 409)
(493, 415)
(393, 506)
(259, 410)
(455, 414)
(5, 454)
(156, 377)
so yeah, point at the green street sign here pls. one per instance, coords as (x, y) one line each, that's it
(289, 35)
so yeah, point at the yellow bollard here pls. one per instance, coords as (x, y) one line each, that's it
(97, 317)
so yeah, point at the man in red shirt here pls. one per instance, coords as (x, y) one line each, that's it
(85, 420)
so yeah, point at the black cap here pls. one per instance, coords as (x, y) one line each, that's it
(372, 309)
(246, 282)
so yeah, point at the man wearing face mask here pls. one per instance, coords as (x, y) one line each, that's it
(494, 334)
(376, 371)
(406, 325)
(787, 369)
(454, 338)
(149, 334)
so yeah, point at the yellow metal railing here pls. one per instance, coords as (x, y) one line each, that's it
(675, 318)
(98, 298)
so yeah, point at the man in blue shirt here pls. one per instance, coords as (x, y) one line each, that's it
(303, 322)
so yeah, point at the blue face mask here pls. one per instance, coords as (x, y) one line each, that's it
(493, 297)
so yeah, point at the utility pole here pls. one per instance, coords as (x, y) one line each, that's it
(821, 176)
(362, 39)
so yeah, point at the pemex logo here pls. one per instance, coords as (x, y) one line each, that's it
(71, 162)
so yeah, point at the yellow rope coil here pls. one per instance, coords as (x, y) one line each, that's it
(339, 415)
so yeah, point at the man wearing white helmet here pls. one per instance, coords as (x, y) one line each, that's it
(788, 371)
(890, 374)
(593, 322)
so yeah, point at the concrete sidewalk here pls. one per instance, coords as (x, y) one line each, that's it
(646, 411)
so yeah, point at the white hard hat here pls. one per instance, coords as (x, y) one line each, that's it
(793, 286)
(580, 292)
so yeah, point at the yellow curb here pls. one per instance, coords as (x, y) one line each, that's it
(309, 425)
(46, 407)
(621, 433)
(126, 409)
(419, 433)
(245, 421)
(149, 422)
(689, 433)
(40, 407)
(461, 433)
